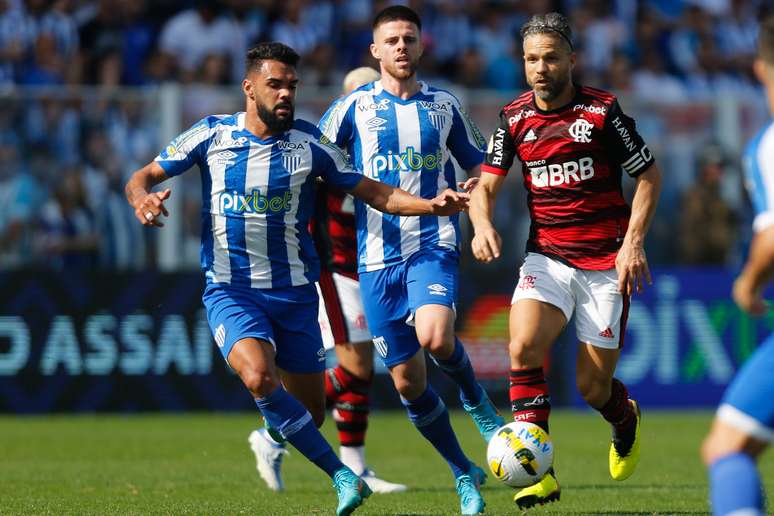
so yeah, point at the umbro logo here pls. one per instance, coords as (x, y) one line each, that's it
(376, 124)
(436, 289)
(530, 136)
(225, 157)
(608, 333)
(321, 355)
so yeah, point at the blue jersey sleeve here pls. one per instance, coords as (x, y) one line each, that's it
(465, 141)
(332, 165)
(336, 124)
(185, 150)
(759, 177)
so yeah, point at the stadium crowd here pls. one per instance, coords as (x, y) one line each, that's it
(64, 157)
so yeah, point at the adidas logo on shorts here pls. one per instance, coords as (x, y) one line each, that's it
(607, 333)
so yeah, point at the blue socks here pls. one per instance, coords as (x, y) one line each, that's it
(735, 485)
(458, 367)
(429, 415)
(285, 415)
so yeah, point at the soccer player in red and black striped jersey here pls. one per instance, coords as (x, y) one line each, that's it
(585, 250)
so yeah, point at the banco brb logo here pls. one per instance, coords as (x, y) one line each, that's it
(408, 161)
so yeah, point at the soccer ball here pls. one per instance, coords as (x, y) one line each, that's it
(520, 454)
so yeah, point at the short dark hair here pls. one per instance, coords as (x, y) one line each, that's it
(766, 40)
(551, 23)
(271, 51)
(395, 13)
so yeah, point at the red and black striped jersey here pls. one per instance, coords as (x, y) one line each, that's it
(333, 230)
(572, 158)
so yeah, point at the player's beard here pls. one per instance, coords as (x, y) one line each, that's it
(276, 124)
(552, 89)
(403, 73)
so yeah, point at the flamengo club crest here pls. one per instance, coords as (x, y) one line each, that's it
(291, 161)
(580, 130)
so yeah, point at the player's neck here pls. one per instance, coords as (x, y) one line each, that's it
(402, 89)
(256, 126)
(561, 100)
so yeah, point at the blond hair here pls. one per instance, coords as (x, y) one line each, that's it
(358, 77)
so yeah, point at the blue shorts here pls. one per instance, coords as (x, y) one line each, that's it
(285, 317)
(748, 404)
(392, 295)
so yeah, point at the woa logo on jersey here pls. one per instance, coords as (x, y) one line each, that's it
(408, 161)
(255, 202)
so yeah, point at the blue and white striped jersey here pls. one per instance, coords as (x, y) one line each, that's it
(257, 197)
(759, 177)
(407, 144)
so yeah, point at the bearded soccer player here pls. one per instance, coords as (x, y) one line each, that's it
(403, 132)
(585, 250)
(744, 423)
(343, 326)
(258, 171)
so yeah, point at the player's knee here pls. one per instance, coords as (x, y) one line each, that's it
(715, 447)
(525, 352)
(259, 383)
(410, 387)
(438, 343)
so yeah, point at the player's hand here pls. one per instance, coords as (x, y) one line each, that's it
(486, 245)
(747, 297)
(632, 266)
(469, 185)
(449, 202)
(151, 207)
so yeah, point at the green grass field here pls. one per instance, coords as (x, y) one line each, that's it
(201, 464)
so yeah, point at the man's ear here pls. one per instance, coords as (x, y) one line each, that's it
(247, 88)
(760, 69)
(375, 52)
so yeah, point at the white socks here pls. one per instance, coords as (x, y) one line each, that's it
(354, 458)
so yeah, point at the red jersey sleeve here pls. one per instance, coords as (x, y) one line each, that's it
(501, 150)
(624, 144)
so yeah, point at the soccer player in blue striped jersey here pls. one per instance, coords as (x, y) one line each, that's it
(744, 423)
(258, 170)
(402, 132)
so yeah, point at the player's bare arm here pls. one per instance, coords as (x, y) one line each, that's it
(631, 262)
(148, 206)
(748, 287)
(393, 200)
(486, 243)
(472, 181)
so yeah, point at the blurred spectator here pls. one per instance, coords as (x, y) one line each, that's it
(451, 33)
(13, 42)
(737, 34)
(190, 36)
(138, 38)
(122, 244)
(470, 69)
(292, 29)
(619, 75)
(68, 235)
(708, 224)
(599, 33)
(652, 83)
(19, 195)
